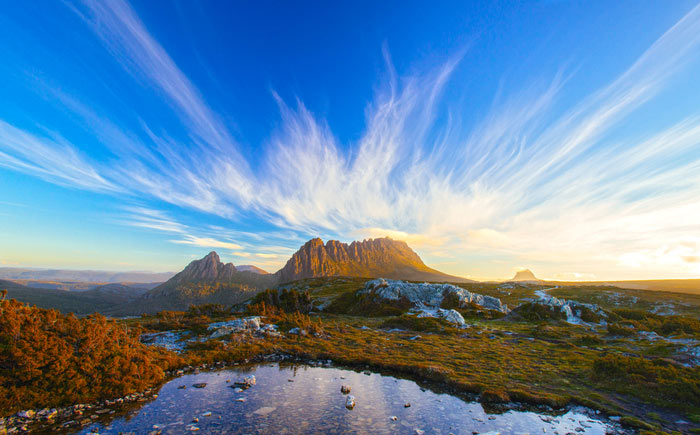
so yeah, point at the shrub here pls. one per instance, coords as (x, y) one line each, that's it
(287, 300)
(48, 359)
(208, 310)
(533, 312)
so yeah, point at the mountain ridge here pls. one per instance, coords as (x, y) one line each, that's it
(370, 258)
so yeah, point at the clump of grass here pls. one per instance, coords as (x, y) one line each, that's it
(620, 330)
(415, 323)
(288, 321)
(589, 340)
(494, 396)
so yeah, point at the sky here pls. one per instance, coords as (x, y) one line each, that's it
(561, 136)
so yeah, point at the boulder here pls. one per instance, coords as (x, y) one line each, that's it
(430, 295)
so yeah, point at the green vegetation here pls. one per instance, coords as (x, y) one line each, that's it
(530, 356)
(420, 324)
(359, 304)
(286, 300)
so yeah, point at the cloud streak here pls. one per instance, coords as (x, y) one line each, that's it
(526, 182)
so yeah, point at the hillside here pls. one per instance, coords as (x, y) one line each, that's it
(251, 268)
(371, 258)
(99, 299)
(204, 281)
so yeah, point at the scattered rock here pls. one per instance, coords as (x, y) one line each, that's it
(298, 331)
(200, 385)
(350, 402)
(26, 414)
(247, 382)
(345, 389)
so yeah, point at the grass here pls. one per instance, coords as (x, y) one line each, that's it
(531, 356)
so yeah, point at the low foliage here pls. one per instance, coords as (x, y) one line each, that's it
(414, 323)
(662, 325)
(367, 305)
(51, 359)
(533, 312)
(658, 379)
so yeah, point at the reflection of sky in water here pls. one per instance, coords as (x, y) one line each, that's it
(313, 403)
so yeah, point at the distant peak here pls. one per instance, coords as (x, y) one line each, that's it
(524, 275)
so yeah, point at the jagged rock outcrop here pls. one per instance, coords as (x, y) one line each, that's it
(369, 258)
(430, 295)
(208, 269)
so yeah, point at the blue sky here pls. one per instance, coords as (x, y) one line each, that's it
(563, 136)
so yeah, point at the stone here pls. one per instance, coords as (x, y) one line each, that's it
(393, 418)
(182, 387)
(350, 402)
(26, 414)
(345, 389)
(200, 385)
(264, 410)
(406, 405)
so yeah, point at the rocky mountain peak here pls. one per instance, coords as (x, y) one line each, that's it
(209, 268)
(369, 258)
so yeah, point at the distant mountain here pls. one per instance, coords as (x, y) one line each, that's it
(100, 299)
(95, 276)
(204, 281)
(371, 258)
(251, 268)
(525, 275)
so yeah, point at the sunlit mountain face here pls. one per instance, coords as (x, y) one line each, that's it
(555, 136)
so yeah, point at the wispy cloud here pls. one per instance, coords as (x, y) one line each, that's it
(207, 242)
(526, 182)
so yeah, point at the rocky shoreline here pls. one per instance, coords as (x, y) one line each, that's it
(73, 418)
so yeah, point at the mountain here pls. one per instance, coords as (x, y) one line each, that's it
(94, 276)
(251, 268)
(204, 281)
(525, 275)
(371, 258)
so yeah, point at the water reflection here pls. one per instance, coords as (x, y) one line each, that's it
(302, 399)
